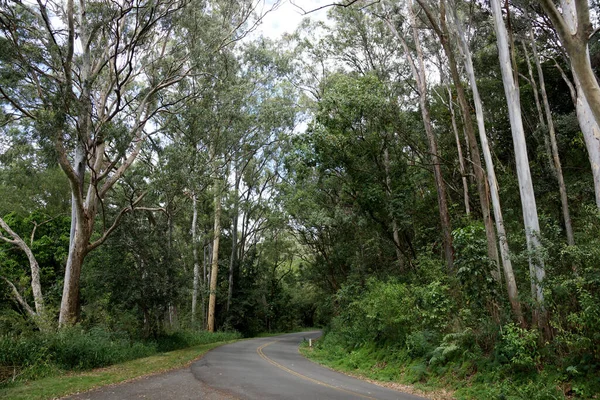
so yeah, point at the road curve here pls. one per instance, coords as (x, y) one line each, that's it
(264, 368)
(272, 368)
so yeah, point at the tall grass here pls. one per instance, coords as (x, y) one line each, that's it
(38, 355)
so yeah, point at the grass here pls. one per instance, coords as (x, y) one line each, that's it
(58, 386)
(457, 380)
(364, 365)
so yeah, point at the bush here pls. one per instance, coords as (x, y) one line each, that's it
(42, 354)
(519, 348)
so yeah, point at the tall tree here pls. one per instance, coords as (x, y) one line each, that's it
(528, 203)
(511, 283)
(575, 30)
(441, 29)
(418, 71)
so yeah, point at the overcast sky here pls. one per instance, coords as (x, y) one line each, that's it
(287, 17)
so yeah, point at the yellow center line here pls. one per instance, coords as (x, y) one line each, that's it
(260, 352)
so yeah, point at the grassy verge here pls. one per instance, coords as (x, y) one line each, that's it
(57, 386)
(456, 380)
(384, 373)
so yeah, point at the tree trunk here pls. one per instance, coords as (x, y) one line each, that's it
(461, 159)
(554, 146)
(528, 204)
(388, 191)
(574, 29)
(234, 237)
(574, 38)
(419, 76)
(195, 256)
(511, 283)
(36, 286)
(443, 34)
(212, 300)
(69, 306)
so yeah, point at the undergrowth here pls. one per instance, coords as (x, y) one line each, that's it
(37, 355)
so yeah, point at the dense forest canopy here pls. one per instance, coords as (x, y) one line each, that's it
(419, 175)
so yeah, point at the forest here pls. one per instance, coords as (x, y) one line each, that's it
(420, 178)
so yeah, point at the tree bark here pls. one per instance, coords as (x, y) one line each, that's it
(461, 159)
(36, 286)
(441, 30)
(564, 201)
(234, 237)
(195, 257)
(212, 300)
(528, 203)
(419, 76)
(511, 283)
(573, 27)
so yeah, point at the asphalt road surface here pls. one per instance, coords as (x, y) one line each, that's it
(265, 368)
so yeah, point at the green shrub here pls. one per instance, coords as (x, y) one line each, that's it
(519, 347)
(41, 354)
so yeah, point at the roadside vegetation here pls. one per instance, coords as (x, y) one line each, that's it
(57, 380)
(27, 359)
(420, 177)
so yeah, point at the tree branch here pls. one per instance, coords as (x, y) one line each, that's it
(19, 298)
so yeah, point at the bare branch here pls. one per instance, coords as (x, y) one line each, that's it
(19, 298)
(343, 5)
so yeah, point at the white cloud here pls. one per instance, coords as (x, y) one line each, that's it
(287, 17)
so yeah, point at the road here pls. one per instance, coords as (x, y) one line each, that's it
(264, 368)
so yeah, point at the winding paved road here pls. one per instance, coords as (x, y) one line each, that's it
(265, 368)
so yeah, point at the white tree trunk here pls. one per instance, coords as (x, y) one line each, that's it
(36, 286)
(511, 283)
(528, 204)
(461, 160)
(587, 122)
(195, 257)
(564, 201)
(212, 300)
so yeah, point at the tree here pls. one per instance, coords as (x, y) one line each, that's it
(528, 204)
(575, 31)
(418, 71)
(511, 283)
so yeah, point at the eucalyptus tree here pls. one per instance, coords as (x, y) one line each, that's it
(528, 203)
(437, 20)
(90, 75)
(419, 75)
(575, 31)
(511, 283)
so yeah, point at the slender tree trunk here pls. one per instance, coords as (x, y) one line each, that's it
(554, 146)
(388, 184)
(234, 237)
(195, 256)
(511, 283)
(443, 34)
(205, 258)
(36, 286)
(212, 300)
(419, 76)
(461, 159)
(530, 217)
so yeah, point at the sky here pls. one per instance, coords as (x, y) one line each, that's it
(288, 16)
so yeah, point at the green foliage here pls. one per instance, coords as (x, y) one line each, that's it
(519, 347)
(42, 354)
